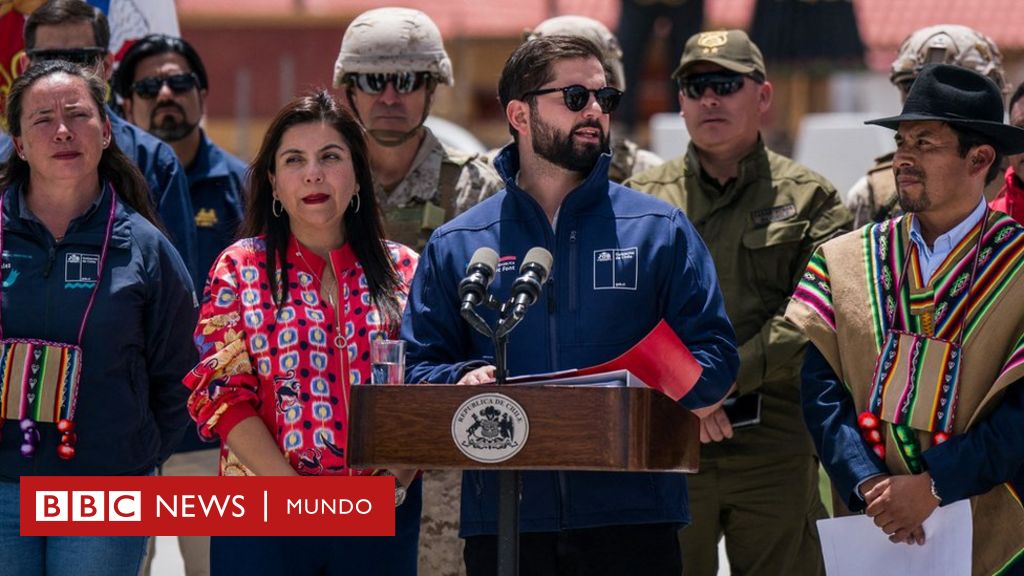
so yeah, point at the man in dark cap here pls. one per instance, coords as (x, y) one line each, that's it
(912, 389)
(761, 215)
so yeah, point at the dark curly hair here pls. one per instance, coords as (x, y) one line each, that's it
(363, 228)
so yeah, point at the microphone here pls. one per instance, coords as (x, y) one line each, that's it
(473, 288)
(533, 273)
(479, 273)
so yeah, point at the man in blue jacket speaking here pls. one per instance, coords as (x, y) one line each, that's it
(593, 308)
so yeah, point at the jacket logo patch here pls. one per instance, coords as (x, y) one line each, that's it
(774, 214)
(616, 269)
(206, 218)
(506, 264)
(80, 270)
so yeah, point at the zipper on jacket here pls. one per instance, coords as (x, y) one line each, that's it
(572, 270)
(553, 324)
(52, 255)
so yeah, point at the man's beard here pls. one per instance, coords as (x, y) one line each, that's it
(919, 204)
(561, 150)
(171, 129)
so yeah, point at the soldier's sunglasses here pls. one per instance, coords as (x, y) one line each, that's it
(693, 87)
(576, 97)
(404, 82)
(80, 56)
(149, 87)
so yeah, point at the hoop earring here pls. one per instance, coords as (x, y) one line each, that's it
(355, 200)
(276, 207)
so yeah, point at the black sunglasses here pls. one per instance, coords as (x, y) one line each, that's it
(404, 82)
(80, 56)
(693, 87)
(149, 87)
(576, 97)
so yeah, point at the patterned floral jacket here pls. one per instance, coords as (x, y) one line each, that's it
(284, 367)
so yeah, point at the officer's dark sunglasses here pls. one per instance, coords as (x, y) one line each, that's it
(149, 87)
(404, 82)
(80, 56)
(576, 97)
(722, 84)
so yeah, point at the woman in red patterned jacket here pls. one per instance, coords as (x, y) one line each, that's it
(281, 350)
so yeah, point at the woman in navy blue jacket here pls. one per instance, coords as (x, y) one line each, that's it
(96, 301)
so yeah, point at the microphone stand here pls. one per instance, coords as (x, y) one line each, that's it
(508, 480)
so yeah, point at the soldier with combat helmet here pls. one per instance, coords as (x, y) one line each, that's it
(391, 62)
(873, 197)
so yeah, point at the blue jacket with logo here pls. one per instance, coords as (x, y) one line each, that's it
(216, 180)
(168, 187)
(622, 262)
(137, 344)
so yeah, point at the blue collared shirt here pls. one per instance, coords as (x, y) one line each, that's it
(932, 258)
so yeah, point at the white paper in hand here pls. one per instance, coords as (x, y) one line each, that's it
(854, 546)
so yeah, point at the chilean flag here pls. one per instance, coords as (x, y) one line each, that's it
(133, 19)
(129, 21)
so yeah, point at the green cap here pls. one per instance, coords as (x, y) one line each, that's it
(730, 49)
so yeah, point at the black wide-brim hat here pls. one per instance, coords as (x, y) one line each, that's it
(962, 98)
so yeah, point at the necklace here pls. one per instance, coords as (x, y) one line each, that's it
(329, 291)
(328, 284)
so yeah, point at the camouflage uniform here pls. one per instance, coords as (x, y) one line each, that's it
(629, 159)
(873, 198)
(440, 184)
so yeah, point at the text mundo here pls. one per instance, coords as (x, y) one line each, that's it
(343, 506)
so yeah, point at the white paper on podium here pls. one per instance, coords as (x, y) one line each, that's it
(614, 378)
(854, 546)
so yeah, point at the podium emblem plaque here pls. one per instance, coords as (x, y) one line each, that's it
(490, 428)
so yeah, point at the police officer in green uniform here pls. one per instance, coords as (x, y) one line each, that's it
(390, 64)
(873, 197)
(761, 215)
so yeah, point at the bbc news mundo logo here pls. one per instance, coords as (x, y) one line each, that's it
(218, 506)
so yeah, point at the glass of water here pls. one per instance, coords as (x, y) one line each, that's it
(387, 358)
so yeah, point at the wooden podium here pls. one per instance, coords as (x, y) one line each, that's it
(570, 428)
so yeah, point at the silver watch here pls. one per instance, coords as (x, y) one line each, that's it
(400, 491)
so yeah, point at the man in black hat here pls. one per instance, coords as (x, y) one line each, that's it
(912, 389)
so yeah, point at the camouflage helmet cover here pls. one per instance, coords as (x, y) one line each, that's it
(393, 40)
(588, 29)
(948, 44)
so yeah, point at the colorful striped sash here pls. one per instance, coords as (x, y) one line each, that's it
(917, 378)
(41, 378)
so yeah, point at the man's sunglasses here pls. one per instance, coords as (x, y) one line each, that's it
(693, 87)
(149, 87)
(576, 97)
(404, 82)
(80, 56)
